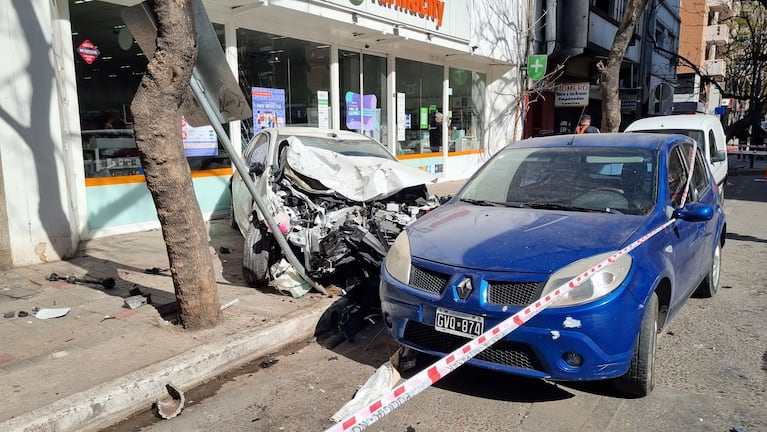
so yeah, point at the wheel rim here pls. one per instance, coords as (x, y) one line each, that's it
(716, 266)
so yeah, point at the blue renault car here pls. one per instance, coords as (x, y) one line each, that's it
(537, 214)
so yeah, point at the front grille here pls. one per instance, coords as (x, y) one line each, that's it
(513, 293)
(428, 280)
(503, 352)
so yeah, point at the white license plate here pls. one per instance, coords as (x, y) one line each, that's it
(458, 323)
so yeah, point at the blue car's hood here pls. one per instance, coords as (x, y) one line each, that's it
(510, 239)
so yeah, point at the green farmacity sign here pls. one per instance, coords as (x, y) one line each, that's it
(536, 66)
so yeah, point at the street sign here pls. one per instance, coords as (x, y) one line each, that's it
(536, 66)
(88, 51)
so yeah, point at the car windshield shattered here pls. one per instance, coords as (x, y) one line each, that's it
(339, 199)
(583, 179)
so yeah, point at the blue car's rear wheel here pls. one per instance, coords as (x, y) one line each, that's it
(710, 284)
(640, 378)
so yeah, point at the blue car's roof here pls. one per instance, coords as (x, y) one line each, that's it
(647, 141)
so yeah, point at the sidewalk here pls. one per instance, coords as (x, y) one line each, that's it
(103, 361)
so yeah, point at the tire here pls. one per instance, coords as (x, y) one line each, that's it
(710, 284)
(232, 220)
(640, 378)
(255, 257)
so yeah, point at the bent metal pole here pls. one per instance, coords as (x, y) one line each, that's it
(240, 166)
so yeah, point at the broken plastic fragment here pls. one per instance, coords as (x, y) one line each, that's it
(50, 313)
(384, 378)
(287, 280)
(135, 302)
(171, 405)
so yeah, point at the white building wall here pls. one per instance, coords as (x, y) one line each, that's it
(499, 31)
(32, 153)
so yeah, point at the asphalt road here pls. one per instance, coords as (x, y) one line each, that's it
(712, 371)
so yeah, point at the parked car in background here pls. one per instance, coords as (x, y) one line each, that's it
(706, 129)
(339, 197)
(539, 213)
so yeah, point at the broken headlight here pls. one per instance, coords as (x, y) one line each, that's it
(398, 258)
(598, 285)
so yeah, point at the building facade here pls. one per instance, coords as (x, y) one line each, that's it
(704, 38)
(577, 36)
(70, 170)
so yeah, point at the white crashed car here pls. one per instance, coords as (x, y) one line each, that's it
(339, 197)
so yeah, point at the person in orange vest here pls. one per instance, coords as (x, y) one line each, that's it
(585, 126)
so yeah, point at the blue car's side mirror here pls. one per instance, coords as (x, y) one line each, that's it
(695, 212)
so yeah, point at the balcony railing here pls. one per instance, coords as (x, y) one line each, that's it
(717, 34)
(715, 68)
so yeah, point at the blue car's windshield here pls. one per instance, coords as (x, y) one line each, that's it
(604, 179)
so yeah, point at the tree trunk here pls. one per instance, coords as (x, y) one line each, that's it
(609, 74)
(157, 125)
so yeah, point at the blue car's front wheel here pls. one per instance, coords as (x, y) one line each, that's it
(640, 378)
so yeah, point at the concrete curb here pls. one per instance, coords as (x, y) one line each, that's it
(103, 405)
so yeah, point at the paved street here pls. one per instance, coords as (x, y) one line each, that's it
(712, 370)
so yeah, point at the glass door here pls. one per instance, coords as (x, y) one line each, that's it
(363, 93)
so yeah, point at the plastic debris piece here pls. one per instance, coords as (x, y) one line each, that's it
(50, 313)
(268, 363)
(23, 314)
(229, 304)
(155, 270)
(10, 314)
(384, 378)
(171, 405)
(223, 250)
(404, 358)
(135, 302)
(287, 280)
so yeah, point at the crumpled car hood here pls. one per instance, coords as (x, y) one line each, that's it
(356, 178)
(522, 240)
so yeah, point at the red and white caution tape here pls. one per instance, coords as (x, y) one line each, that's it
(368, 415)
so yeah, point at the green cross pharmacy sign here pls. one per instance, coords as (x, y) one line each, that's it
(536, 66)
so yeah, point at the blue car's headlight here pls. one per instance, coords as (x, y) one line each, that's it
(398, 258)
(599, 285)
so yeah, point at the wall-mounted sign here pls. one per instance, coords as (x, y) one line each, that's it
(572, 95)
(88, 51)
(536, 66)
(323, 109)
(198, 141)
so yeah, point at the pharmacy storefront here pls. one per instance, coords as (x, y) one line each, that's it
(426, 78)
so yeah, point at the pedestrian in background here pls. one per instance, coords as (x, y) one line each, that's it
(435, 133)
(585, 126)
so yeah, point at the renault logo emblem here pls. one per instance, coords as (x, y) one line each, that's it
(464, 288)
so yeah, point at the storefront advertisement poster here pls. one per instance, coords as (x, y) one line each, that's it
(198, 141)
(360, 111)
(268, 107)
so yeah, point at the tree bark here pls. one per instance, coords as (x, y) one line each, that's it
(157, 125)
(609, 73)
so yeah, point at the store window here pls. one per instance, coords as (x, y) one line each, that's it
(363, 94)
(421, 84)
(109, 66)
(467, 104)
(286, 79)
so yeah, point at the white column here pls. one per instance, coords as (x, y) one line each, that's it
(335, 83)
(230, 44)
(391, 88)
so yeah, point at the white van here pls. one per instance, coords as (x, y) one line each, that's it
(706, 129)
